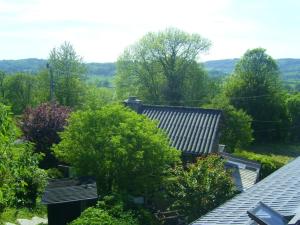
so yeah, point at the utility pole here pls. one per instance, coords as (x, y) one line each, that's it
(51, 82)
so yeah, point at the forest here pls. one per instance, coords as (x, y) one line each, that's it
(53, 113)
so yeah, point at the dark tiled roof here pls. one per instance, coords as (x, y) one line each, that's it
(245, 172)
(280, 191)
(69, 190)
(191, 130)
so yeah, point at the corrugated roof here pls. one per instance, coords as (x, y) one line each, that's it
(69, 190)
(280, 191)
(191, 130)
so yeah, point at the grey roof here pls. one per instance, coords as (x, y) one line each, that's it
(191, 130)
(69, 190)
(280, 191)
(245, 172)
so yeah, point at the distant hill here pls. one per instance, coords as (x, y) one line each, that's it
(290, 68)
(34, 65)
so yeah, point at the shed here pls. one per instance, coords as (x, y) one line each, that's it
(66, 198)
(194, 131)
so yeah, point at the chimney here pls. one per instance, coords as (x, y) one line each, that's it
(134, 103)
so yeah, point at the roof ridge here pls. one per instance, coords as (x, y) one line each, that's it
(181, 107)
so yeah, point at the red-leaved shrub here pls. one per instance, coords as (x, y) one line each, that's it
(41, 125)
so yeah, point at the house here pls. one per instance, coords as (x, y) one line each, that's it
(194, 131)
(274, 200)
(66, 198)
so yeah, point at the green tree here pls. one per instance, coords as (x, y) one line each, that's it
(20, 91)
(96, 97)
(256, 88)
(2, 88)
(123, 150)
(293, 108)
(236, 131)
(201, 187)
(68, 73)
(162, 66)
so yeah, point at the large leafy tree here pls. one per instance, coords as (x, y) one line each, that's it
(293, 108)
(19, 91)
(256, 88)
(68, 73)
(163, 66)
(236, 127)
(123, 150)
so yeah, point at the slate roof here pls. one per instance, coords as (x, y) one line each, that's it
(245, 173)
(69, 190)
(280, 191)
(191, 130)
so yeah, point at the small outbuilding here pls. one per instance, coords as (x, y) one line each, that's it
(66, 198)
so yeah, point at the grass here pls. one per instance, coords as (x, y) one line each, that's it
(12, 214)
(271, 156)
(277, 150)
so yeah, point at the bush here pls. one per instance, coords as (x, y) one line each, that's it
(123, 150)
(41, 126)
(109, 211)
(20, 178)
(202, 187)
(269, 163)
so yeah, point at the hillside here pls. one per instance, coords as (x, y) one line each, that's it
(290, 68)
(34, 65)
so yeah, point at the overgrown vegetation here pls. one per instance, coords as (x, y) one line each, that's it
(20, 178)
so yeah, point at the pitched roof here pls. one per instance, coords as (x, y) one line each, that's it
(69, 190)
(280, 191)
(245, 172)
(191, 130)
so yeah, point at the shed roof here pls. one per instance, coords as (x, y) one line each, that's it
(280, 191)
(191, 130)
(69, 190)
(245, 172)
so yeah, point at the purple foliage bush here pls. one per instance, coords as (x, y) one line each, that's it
(41, 125)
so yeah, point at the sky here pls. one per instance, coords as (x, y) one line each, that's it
(100, 30)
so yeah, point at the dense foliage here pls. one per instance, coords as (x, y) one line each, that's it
(20, 178)
(162, 67)
(19, 91)
(41, 125)
(255, 87)
(109, 211)
(68, 71)
(201, 187)
(236, 128)
(293, 109)
(269, 163)
(123, 150)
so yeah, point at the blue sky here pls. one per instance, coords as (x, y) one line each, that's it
(101, 29)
